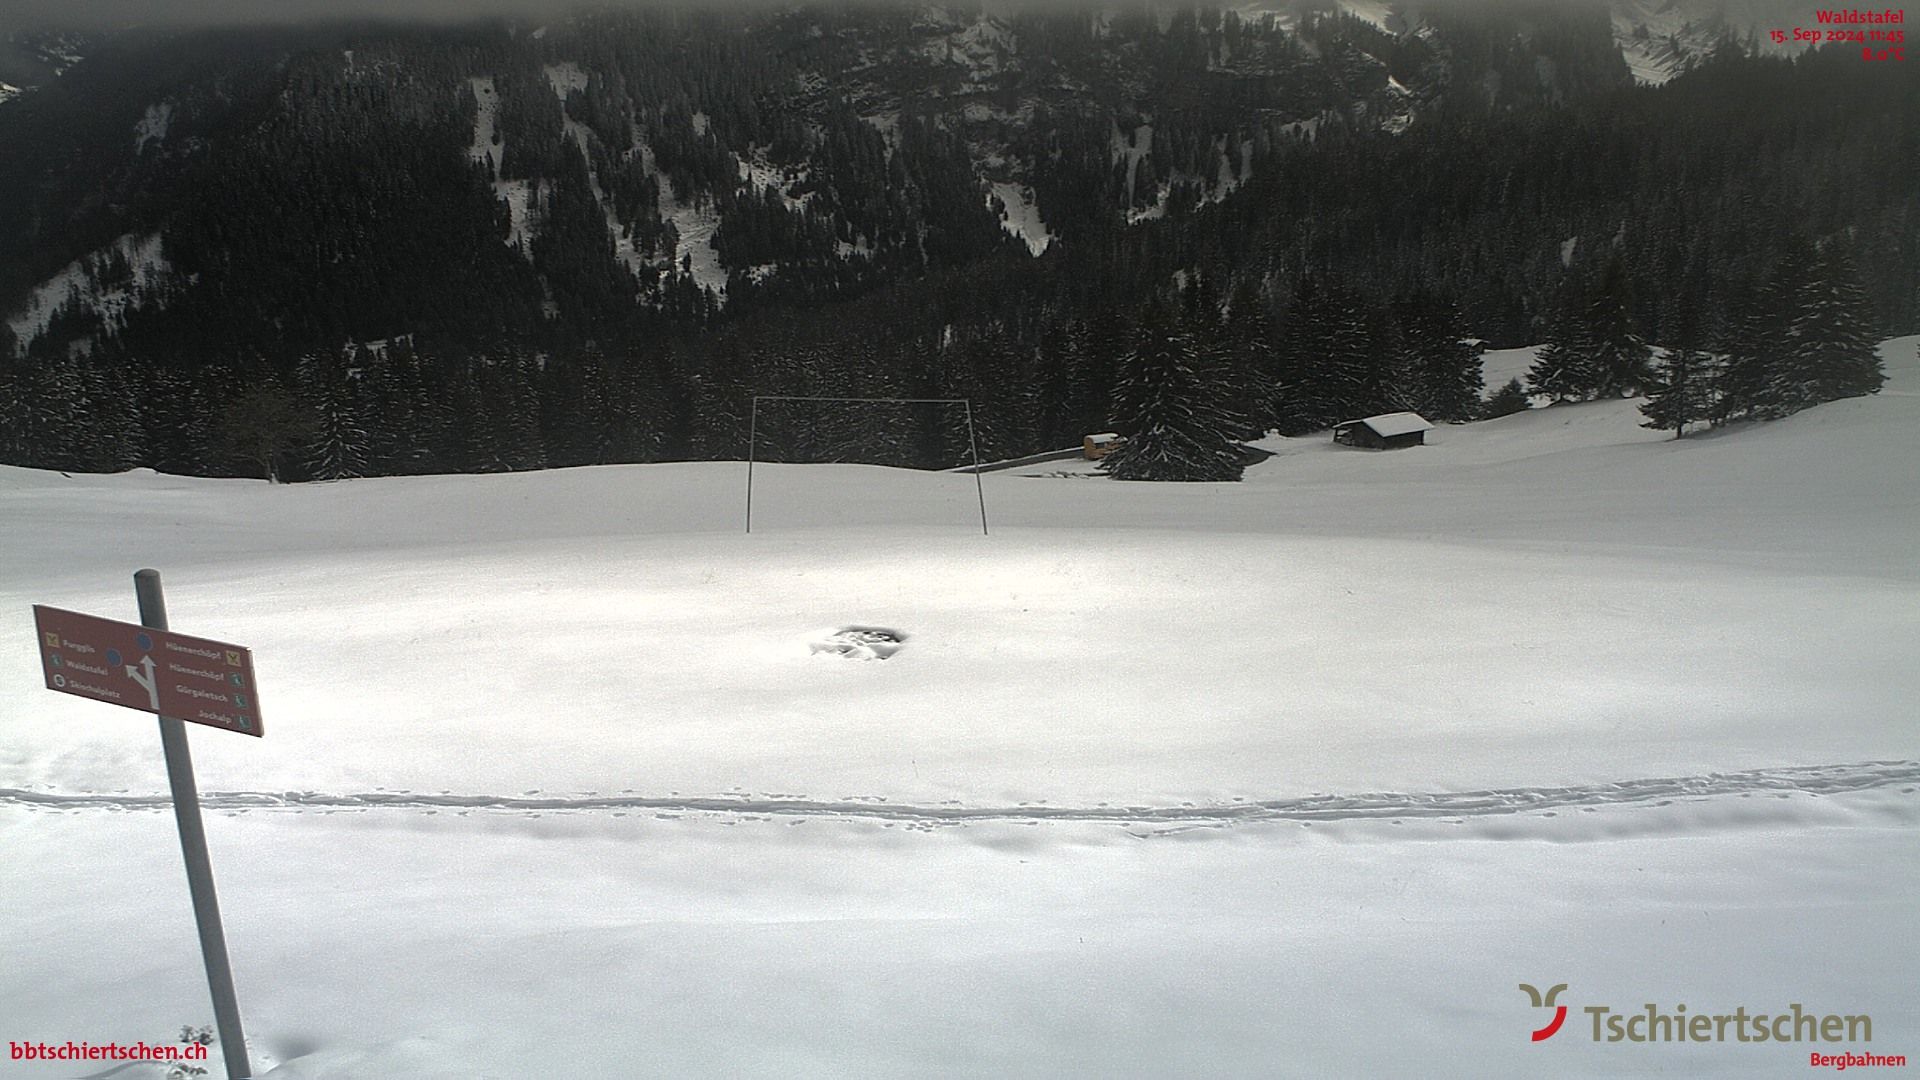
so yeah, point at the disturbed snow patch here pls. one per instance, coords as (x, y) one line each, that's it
(861, 642)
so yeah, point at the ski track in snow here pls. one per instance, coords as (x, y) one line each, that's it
(1814, 780)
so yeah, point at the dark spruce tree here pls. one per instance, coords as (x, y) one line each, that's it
(1506, 401)
(1593, 351)
(1564, 369)
(1829, 352)
(411, 418)
(1332, 361)
(1751, 344)
(177, 416)
(20, 411)
(1248, 333)
(115, 430)
(511, 393)
(1681, 393)
(338, 448)
(1685, 387)
(43, 412)
(1175, 408)
(1622, 358)
(1441, 377)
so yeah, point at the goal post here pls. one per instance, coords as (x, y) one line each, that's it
(973, 442)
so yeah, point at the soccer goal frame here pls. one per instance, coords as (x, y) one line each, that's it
(973, 443)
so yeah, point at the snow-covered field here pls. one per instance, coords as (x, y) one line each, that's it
(1295, 777)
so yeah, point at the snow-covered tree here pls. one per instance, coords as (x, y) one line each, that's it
(338, 445)
(1751, 343)
(16, 412)
(1829, 351)
(45, 417)
(1682, 393)
(1441, 367)
(112, 437)
(513, 402)
(1593, 351)
(1506, 401)
(409, 424)
(1334, 362)
(1247, 332)
(1564, 369)
(1176, 410)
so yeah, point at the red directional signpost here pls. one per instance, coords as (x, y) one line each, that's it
(145, 666)
(157, 671)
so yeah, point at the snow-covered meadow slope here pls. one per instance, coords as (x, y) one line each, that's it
(1293, 777)
(1557, 597)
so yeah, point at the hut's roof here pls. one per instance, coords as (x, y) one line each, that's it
(1387, 425)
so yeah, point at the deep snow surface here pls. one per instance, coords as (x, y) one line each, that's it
(1299, 776)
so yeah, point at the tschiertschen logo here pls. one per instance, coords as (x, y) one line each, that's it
(1559, 1011)
(1785, 1024)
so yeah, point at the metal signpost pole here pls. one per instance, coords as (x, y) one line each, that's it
(193, 844)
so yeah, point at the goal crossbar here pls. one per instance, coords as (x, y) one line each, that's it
(973, 443)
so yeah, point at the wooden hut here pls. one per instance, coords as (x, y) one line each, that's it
(1099, 446)
(1388, 431)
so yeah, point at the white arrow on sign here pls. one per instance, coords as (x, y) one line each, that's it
(146, 681)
